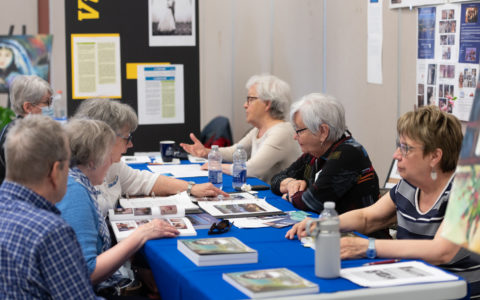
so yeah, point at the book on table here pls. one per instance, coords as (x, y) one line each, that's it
(270, 283)
(181, 199)
(125, 220)
(217, 251)
(239, 208)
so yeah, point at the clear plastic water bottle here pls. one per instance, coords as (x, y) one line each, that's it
(239, 171)
(59, 107)
(327, 242)
(215, 175)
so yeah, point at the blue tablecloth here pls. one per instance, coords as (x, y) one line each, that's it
(179, 278)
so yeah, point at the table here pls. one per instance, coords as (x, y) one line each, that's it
(179, 278)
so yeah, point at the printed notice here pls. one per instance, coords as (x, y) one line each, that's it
(160, 94)
(96, 66)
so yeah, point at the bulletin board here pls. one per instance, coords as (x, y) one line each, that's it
(129, 24)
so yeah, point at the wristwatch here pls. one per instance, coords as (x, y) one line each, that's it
(189, 188)
(371, 251)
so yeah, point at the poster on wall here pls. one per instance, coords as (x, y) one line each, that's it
(96, 66)
(413, 3)
(160, 95)
(446, 64)
(24, 55)
(462, 218)
(171, 23)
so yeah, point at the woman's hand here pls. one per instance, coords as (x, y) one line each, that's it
(295, 186)
(157, 228)
(353, 247)
(298, 230)
(197, 148)
(207, 190)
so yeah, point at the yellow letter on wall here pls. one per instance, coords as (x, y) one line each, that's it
(90, 12)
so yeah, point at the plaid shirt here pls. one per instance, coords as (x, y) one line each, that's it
(40, 257)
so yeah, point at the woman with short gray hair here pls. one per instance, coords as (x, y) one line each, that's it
(333, 167)
(269, 144)
(91, 143)
(30, 94)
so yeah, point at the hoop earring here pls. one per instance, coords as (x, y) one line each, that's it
(433, 174)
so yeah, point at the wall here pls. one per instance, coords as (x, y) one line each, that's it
(239, 38)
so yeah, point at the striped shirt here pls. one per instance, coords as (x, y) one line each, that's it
(40, 257)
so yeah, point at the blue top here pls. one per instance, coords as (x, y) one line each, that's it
(36, 248)
(79, 211)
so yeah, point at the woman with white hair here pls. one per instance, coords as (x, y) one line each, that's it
(269, 144)
(91, 143)
(30, 94)
(333, 167)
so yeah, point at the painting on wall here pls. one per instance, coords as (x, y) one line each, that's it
(24, 55)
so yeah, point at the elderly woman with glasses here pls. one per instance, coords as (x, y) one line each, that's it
(30, 94)
(333, 167)
(122, 179)
(91, 143)
(427, 154)
(269, 144)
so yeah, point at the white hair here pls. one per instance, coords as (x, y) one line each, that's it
(273, 89)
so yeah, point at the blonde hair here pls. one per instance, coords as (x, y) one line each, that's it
(434, 129)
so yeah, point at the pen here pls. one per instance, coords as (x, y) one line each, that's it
(381, 262)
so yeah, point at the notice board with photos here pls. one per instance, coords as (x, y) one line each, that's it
(110, 42)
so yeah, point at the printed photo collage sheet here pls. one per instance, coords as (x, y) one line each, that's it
(448, 57)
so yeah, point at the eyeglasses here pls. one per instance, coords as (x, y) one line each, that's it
(46, 103)
(222, 227)
(405, 148)
(128, 139)
(297, 131)
(250, 99)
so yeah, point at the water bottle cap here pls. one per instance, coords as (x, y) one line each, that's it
(329, 205)
(214, 147)
(239, 146)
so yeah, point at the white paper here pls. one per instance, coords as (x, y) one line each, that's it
(196, 159)
(160, 94)
(96, 66)
(179, 171)
(412, 272)
(238, 208)
(375, 41)
(136, 159)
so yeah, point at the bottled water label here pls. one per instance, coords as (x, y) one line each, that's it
(215, 177)
(239, 178)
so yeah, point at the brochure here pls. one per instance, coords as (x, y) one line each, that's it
(239, 208)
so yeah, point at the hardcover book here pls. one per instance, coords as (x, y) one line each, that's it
(217, 251)
(270, 283)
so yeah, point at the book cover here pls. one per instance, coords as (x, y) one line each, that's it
(239, 208)
(202, 220)
(270, 283)
(217, 251)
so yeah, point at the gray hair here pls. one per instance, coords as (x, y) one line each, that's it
(27, 88)
(32, 146)
(90, 141)
(317, 109)
(273, 89)
(117, 115)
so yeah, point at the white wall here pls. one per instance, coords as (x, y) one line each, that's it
(239, 38)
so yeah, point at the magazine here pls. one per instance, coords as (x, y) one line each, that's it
(217, 251)
(270, 283)
(201, 220)
(181, 200)
(125, 220)
(239, 208)
(411, 272)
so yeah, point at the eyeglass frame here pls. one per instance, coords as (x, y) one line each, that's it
(298, 131)
(49, 102)
(250, 99)
(405, 148)
(224, 224)
(128, 139)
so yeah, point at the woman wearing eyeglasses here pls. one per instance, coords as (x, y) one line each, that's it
(30, 94)
(333, 167)
(429, 142)
(269, 144)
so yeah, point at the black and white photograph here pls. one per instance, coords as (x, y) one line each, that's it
(171, 23)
